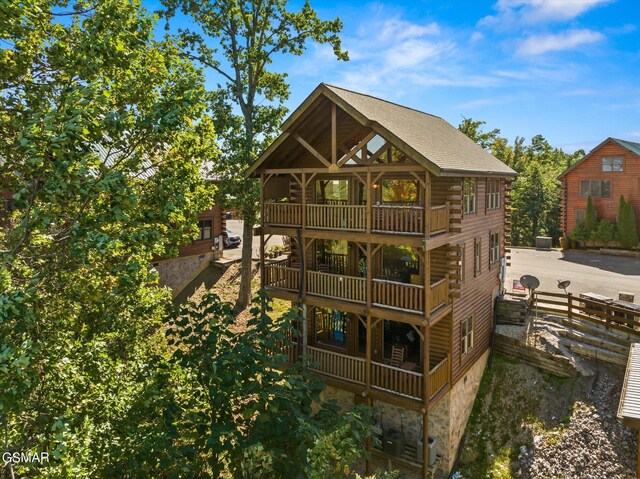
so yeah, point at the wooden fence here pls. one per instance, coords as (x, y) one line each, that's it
(440, 218)
(283, 214)
(600, 312)
(398, 295)
(337, 286)
(400, 381)
(399, 219)
(337, 217)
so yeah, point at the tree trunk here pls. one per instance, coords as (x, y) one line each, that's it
(244, 295)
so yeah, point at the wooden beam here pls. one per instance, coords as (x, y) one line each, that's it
(334, 139)
(415, 175)
(295, 177)
(312, 150)
(355, 149)
(427, 395)
(379, 152)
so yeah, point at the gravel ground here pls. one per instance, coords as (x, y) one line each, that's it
(592, 445)
(528, 424)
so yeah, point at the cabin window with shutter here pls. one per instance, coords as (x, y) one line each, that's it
(595, 188)
(469, 196)
(205, 230)
(477, 256)
(466, 335)
(494, 247)
(493, 193)
(612, 164)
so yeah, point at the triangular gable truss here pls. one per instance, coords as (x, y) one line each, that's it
(306, 131)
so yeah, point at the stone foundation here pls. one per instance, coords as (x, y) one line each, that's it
(177, 273)
(462, 397)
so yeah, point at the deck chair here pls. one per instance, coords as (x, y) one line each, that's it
(397, 356)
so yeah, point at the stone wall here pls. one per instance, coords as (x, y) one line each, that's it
(461, 399)
(177, 273)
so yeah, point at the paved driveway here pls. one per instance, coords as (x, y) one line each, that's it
(236, 253)
(587, 272)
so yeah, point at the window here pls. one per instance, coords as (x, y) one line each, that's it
(477, 256)
(581, 216)
(494, 247)
(493, 193)
(595, 188)
(612, 164)
(205, 230)
(469, 196)
(466, 335)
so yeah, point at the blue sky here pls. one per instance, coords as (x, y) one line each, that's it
(566, 69)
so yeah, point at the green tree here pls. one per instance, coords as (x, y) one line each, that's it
(242, 411)
(627, 225)
(239, 42)
(473, 129)
(103, 135)
(591, 217)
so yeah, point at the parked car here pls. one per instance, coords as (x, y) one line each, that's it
(230, 239)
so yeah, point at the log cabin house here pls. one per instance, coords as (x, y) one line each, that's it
(608, 171)
(397, 228)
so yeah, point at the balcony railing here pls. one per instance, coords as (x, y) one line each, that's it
(281, 277)
(439, 219)
(397, 380)
(402, 219)
(439, 376)
(283, 214)
(387, 294)
(398, 295)
(398, 219)
(440, 293)
(337, 217)
(337, 286)
(383, 376)
(337, 365)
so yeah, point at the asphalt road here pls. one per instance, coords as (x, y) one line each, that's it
(597, 273)
(236, 253)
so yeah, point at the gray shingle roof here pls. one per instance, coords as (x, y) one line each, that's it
(430, 136)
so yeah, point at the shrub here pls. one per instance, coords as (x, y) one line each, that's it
(579, 232)
(604, 232)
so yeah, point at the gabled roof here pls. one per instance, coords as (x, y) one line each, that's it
(629, 145)
(428, 139)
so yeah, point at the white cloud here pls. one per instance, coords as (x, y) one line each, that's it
(398, 29)
(539, 44)
(476, 37)
(511, 13)
(632, 134)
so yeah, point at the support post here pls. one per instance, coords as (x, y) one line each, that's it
(427, 284)
(334, 136)
(427, 206)
(569, 305)
(262, 245)
(304, 200)
(305, 327)
(369, 201)
(427, 397)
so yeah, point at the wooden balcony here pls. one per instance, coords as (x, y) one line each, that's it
(398, 219)
(337, 217)
(388, 294)
(283, 214)
(398, 295)
(383, 376)
(337, 286)
(281, 277)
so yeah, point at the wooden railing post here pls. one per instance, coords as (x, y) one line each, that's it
(569, 305)
(447, 214)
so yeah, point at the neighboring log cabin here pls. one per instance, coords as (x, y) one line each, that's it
(608, 171)
(396, 222)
